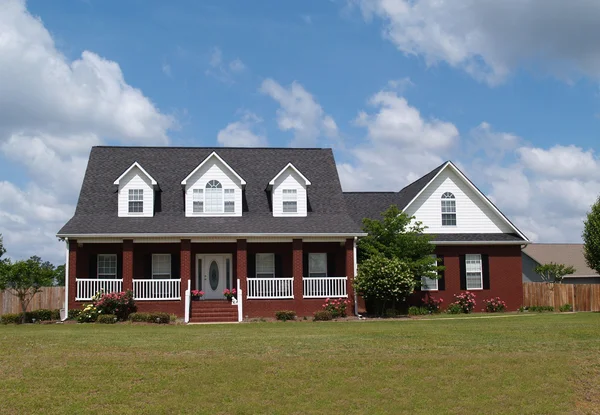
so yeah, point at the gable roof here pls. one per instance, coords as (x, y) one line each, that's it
(568, 254)
(290, 165)
(96, 211)
(211, 155)
(133, 166)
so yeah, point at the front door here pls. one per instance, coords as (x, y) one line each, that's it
(213, 276)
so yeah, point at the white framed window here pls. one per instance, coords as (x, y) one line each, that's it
(317, 265)
(229, 201)
(474, 272)
(290, 201)
(107, 266)
(136, 200)
(198, 200)
(265, 265)
(161, 266)
(430, 284)
(213, 197)
(448, 209)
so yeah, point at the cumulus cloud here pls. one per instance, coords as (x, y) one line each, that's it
(221, 70)
(490, 38)
(300, 113)
(561, 161)
(241, 133)
(52, 111)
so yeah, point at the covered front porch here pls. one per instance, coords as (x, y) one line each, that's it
(268, 274)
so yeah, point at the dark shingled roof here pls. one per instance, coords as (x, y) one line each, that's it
(96, 211)
(477, 237)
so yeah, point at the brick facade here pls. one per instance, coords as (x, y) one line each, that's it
(128, 264)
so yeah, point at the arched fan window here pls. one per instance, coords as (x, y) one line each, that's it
(448, 209)
(213, 197)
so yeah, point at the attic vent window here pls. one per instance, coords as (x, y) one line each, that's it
(448, 209)
(290, 201)
(136, 201)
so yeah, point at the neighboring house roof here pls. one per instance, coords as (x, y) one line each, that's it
(567, 254)
(372, 204)
(96, 212)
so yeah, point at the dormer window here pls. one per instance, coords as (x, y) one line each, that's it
(214, 197)
(136, 200)
(290, 201)
(198, 200)
(229, 206)
(448, 209)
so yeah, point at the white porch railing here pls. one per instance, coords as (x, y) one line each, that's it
(267, 288)
(89, 287)
(157, 289)
(325, 287)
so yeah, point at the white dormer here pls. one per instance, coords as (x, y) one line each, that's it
(213, 189)
(136, 192)
(288, 192)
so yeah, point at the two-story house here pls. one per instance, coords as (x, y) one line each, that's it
(271, 222)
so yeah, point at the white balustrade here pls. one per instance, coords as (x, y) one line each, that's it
(325, 287)
(89, 287)
(267, 288)
(166, 289)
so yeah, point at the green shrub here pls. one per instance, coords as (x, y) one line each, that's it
(10, 318)
(42, 314)
(106, 319)
(336, 307)
(391, 313)
(322, 315)
(89, 314)
(73, 314)
(285, 315)
(454, 308)
(139, 317)
(121, 304)
(565, 308)
(522, 309)
(494, 305)
(55, 315)
(540, 308)
(418, 311)
(173, 318)
(159, 318)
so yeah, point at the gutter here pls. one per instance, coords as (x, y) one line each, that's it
(355, 271)
(66, 316)
(480, 242)
(189, 235)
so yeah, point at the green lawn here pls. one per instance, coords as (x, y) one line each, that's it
(529, 364)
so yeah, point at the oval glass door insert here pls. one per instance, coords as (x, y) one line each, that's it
(213, 275)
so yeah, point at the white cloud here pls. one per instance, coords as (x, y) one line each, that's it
(490, 38)
(300, 112)
(241, 134)
(561, 161)
(52, 111)
(221, 70)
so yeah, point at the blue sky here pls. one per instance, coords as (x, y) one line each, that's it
(393, 86)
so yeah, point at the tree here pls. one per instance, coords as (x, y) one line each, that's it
(393, 258)
(591, 237)
(23, 279)
(2, 249)
(59, 276)
(554, 272)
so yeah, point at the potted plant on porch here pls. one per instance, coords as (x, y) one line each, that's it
(197, 295)
(229, 294)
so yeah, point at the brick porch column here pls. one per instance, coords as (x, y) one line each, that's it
(127, 264)
(185, 270)
(72, 272)
(350, 273)
(242, 268)
(297, 273)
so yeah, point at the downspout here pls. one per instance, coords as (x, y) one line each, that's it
(355, 271)
(66, 314)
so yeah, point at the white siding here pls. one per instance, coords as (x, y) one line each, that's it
(213, 170)
(136, 179)
(473, 215)
(289, 179)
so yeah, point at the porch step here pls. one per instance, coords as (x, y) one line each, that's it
(213, 311)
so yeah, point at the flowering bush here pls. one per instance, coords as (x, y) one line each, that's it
(465, 302)
(89, 314)
(322, 315)
(433, 304)
(337, 308)
(494, 305)
(120, 304)
(229, 294)
(197, 293)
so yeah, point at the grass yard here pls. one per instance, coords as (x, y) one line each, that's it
(529, 364)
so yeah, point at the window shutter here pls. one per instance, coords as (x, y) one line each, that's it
(175, 266)
(251, 258)
(120, 265)
(93, 263)
(278, 266)
(305, 264)
(485, 268)
(442, 279)
(463, 272)
(331, 271)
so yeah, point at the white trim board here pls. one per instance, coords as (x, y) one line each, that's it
(211, 155)
(290, 165)
(134, 165)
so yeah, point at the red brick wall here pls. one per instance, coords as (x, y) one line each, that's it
(128, 264)
(242, 265)
(505, 274)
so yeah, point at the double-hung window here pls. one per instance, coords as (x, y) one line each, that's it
(229, 198)
(107, 266)
(290, 201)
(265, 265)
(317, 265)
(136, 200)
(429, 284)
(198, 200)
(474, 271)
(448, 209)
(161, 266)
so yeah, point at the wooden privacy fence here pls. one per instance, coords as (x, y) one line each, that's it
(50, 298)
(583, 297)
